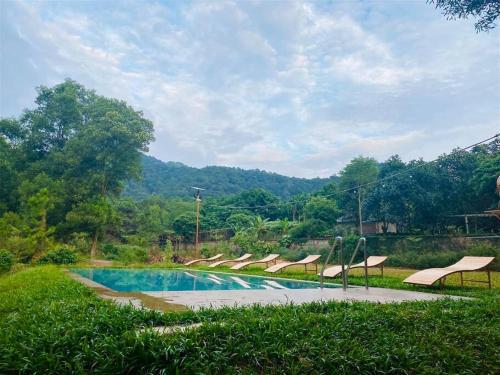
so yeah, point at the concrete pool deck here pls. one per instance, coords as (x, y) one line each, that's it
(217, 299)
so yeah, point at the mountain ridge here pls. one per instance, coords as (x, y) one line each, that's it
(174, 179)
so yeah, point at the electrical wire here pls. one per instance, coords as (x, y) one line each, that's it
(231, 207)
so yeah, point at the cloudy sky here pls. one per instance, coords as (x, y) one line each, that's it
(296, 88)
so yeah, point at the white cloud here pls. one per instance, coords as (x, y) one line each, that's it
(298, 88)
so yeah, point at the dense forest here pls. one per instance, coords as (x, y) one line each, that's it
(64, 165)
(173, 179)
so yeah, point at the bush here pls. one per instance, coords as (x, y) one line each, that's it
(110, 251)
(23, 247)
(124, 253)
(132, 254)
(206, 252)
(80, 242)
(6, 261)
(248, 243)
(244, 240)
(61, 255)
(308, 229)
(286, 241)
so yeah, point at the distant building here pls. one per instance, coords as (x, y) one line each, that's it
(375, 227)
(369, 226)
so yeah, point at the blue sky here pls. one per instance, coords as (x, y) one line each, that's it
(297, 88)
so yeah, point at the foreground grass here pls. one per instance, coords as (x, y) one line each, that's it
(52, 324)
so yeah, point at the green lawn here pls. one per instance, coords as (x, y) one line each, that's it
(49, 323)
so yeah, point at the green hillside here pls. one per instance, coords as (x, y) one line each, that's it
(174, 179)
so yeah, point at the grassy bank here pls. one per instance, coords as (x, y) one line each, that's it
(50, 323)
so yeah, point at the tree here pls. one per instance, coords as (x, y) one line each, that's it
(11, 135)
(258, 201)
(483, 181)
(308, 229)
(260, 226)
(107, 150)
(240, 221)
(38, 205)
(284, 226)
(322, 209)
(486, 10)
(297, 204)
(356, 181)
(389, 201)
(92, 217)
(78, 145)
(185, 225)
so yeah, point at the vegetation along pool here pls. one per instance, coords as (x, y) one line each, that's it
(138, 280)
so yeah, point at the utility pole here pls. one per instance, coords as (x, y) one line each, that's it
(197, 197)
(359, 213)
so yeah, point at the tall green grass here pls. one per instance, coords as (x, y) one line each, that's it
(51, 324)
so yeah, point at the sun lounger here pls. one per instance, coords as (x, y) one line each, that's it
(372, 261)
(270, 258)
(240, 259)
(215, 257)
(466, 264)
(307, 260)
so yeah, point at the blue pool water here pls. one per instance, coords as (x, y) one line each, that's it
(137, 280)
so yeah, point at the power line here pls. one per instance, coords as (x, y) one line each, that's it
(230, 207)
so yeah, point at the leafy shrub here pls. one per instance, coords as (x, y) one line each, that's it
(294, 255)
(206, 252)
(24, 248)
(308, 229)
(61, 255)
(261, 247)
(80, 242)
(6, 261)
(168, 250)
(110, 251)
(245, 240)
(248, 243)
(131, 254)
(127, 254)
(286, 241)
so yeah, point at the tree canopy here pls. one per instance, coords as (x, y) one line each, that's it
(487, 11)
(64, 159)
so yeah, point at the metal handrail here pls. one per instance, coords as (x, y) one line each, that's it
(321, 277)
(345, 277)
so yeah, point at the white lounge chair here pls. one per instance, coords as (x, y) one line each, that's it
(208, 260)
(466, 264)
(372, 261)
(240, 259)
(270, 258)
(307, 260)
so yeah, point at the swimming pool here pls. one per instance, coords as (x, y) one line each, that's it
(140, 280)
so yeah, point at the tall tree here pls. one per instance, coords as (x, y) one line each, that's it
(356, 181)
(89, 144)
(322, 209)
